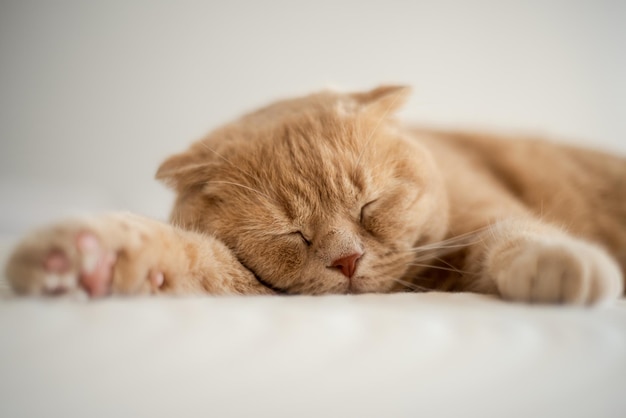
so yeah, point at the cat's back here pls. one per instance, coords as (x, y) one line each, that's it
(582, 190)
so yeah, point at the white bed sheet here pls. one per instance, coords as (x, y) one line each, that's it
(340, 356)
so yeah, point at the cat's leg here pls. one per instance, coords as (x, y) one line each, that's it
(125, 254)
(527, 260)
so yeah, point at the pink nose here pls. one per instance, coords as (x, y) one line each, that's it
(347, 264)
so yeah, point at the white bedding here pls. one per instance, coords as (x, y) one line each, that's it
(363, 356)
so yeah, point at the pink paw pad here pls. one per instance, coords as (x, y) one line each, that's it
(96, 269)
(156, 279)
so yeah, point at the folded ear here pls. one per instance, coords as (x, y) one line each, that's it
(383, 99)
(184, 170)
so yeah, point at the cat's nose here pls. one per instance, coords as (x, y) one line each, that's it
(347, 264)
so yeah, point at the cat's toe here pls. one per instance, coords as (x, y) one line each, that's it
(607, 282)
(156, 278)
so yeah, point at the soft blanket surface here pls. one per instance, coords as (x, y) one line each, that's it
(371, 355)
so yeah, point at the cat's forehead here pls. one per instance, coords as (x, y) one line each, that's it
(302, 168)
(310, 167)
(320, 157)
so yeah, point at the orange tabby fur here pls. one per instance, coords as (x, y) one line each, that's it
(329, 194)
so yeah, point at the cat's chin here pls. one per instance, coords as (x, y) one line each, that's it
(344, 287)
(361, 285)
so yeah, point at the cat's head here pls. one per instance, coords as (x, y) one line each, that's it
(315, 195)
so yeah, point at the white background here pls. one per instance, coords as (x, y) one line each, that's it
(95, 94)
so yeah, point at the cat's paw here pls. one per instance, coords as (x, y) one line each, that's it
(96, 256)
(563, 270)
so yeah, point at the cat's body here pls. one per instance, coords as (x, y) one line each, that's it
(579, 191)
(328, 194)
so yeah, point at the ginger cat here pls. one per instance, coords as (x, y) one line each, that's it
(329, 194)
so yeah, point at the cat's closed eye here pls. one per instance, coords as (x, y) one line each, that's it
(366, 211)
(302, 237)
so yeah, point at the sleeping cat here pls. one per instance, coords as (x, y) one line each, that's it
(328, 193)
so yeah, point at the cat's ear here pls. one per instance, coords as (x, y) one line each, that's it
(184, 170)
(383, 99)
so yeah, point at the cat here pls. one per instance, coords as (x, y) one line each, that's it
(329, 193)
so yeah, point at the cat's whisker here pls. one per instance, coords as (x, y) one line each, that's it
(425, 253)
(441, 260)
(240, 185)
(438, 247)
(466, 234)
(448, 245)
(412, 286)
(433, 251)
(452, 269)
(205, 145)
(429, 255)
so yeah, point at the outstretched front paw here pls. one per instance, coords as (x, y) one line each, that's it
(560, 270)
(96, 256)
